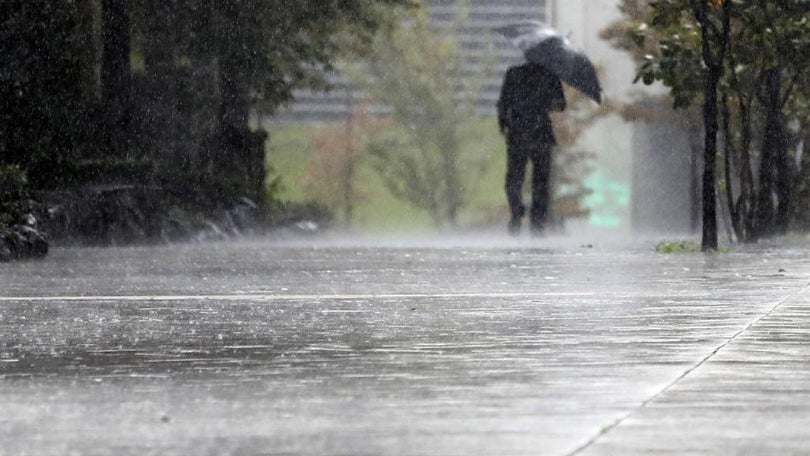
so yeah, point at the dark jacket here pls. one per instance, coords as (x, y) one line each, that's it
(528, 94)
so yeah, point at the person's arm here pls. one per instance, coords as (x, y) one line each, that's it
(504, 103)
(558, 96)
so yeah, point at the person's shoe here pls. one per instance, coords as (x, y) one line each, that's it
(514, 226)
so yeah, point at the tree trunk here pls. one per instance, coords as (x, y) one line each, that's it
(349, 162)
(784, 187)
(714, 59)
(89, 52)
(452, 202)
(234, 155)
(161, 98)
(238, 155)
(116, 83)
(694, 183)
(784, 172)
(234, 104)
(772, 142)
(448, 148)
(709, 241)
(733, 208)
(746, 202)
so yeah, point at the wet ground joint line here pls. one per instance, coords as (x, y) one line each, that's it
(616, 423)
(269, 297)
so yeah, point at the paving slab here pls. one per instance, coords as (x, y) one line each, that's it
(457, 347)
(750, 396)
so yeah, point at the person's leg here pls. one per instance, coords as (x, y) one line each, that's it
(515, 174)
(541, 187)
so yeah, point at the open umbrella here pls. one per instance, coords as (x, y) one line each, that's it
(543, 45)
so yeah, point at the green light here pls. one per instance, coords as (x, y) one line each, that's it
(608, 201)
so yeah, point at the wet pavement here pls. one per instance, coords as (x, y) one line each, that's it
(448, 347)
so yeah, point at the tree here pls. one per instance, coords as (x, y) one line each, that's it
(417, 71)
(264, 49)
(331, 175)
(715, 42)
(713, 20)
(759, 87)
(161, 92)
(166, 124)
(260, 51)
(45, 80)
(572, 163)
(116, 74)
(776, 59)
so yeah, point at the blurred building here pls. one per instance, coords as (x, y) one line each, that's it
(477, 38)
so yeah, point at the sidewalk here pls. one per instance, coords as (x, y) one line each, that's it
(431, 348)
(750, 395)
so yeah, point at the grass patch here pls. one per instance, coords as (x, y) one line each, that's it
(667, 247)
(287, 153)
(290, 153)
(677, 247)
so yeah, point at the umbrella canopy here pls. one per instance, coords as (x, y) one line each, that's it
(543, 45)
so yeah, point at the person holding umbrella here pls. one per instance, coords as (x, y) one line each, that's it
(529, 93)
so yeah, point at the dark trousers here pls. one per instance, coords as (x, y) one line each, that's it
(518, 156)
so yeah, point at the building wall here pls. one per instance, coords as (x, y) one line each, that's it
(665, 183)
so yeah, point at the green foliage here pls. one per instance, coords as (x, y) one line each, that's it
(665, 38)
(13, 194)
(763, 89)
(677, 247)
(13, 183)
(44, 79)
(274, 46)
(416, 70)
(52, 175)
(113, 170)
(332, 175)
(159, 93)
(294, 154)
(298, 157)
(572, 163)
(258, 50)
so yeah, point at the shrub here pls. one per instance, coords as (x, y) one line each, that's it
(19, 217)
(677, 247)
